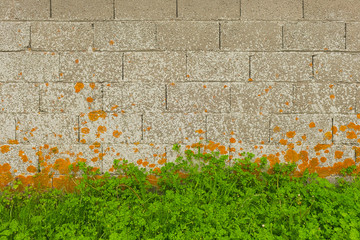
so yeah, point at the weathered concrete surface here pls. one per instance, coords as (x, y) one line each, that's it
(104, 79)
(250, 36)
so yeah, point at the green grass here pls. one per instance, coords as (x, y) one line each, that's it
(244, 201)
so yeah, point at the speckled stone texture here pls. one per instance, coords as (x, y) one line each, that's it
(101, 80)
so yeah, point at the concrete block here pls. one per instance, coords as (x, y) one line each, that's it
(22, 159)
(324, 98)
(353, 36)
(347, 129)
(170, 128)
(47, 128)
(101, 127)
(145, 9)
(188, 35)
(217, 66)
(271, 10)
(227, 128)
(209, 10)
(337, 67)
(14, 36)
(61, 36)
(19, 97)
(262, 98)
(143, 155)
(7, 128)
(250, 36)
(90, 67)
(29, 67)
(133, 97)
(155, 66)
(25, 10)
(198, 97)
(331, 10)
(304, 128)
(73, 98)
(314, 36)
(117, 36)
(57, 158)
(82, 9)
(279, 67)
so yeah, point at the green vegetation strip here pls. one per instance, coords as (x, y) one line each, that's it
(245, 201)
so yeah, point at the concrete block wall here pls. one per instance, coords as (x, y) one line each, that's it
(126, 79)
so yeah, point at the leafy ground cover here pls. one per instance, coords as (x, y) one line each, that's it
(199, 196)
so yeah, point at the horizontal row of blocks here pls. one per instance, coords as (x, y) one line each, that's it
(175, 66)
(181, 97)
(179, 9)
(180, 35)
(27, 159)
(169, 128)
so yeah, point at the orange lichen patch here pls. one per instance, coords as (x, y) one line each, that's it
(250, 80)
(23, 157)
(358, 115)
(13, 142)
(328, 135)
(232, 140)
(62, 165)
(291, 134)
(111, 42)
(354, 126)
(199, 131)
(320, 130)
(89, 99)
(54, 150)
(31, 169)
(312, 125)
(114, 107)
(338, 154)
(303, 137)
(331, 85)
(85, 130)
(276, 129)
(343, 128)
(291, 156)
(162, 161)
(280, 111)
(283, 141)
(95, 115)
(83, 141)
(145, 163)
(332, 96)
(92, 85)
(95, 159)
(334, 129)
(116, 133)
(65, 183)
(136, 150)
(323, 159)
(78, 86)
(351, 135)
(152, 165)
(4, 149)
(204, 86)
(76, 61)
(319, 147)
(101, 129)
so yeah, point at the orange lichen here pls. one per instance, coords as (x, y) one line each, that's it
(117, 133)
(95, 115)
(232, 140)
(338, 154)
(276, 129)
(31, 169)
(312, 125)
(78, 86)
(4, 149)
(291, 134)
